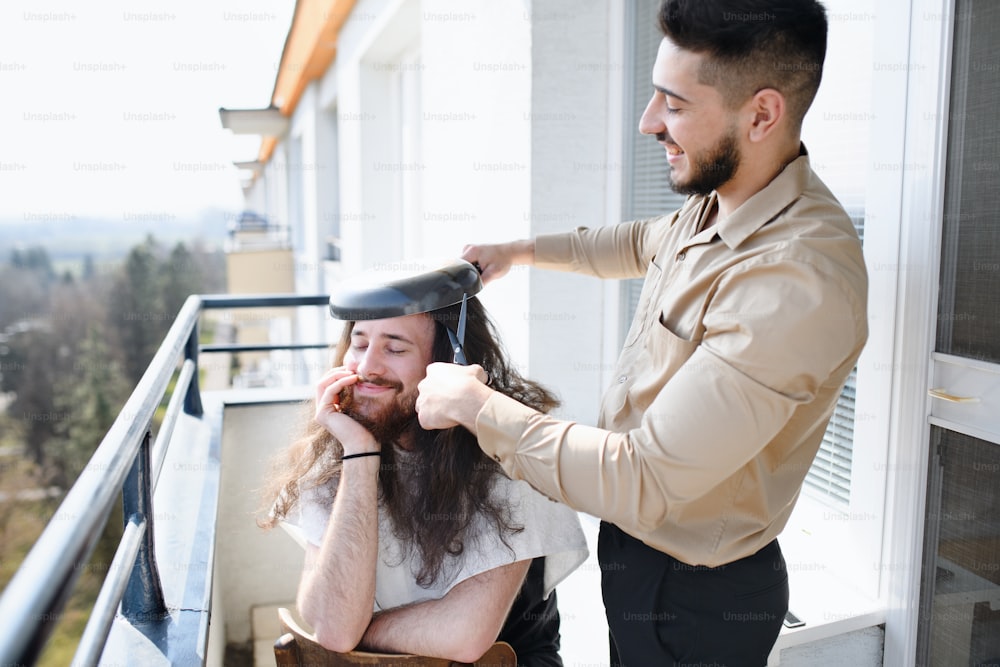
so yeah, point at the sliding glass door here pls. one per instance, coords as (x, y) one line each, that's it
(960, 581)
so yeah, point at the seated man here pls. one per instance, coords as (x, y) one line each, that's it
(416, 542)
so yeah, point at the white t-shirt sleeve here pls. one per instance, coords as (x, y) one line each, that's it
(306, 522)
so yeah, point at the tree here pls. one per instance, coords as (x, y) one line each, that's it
(35, 258)
(24, 286)
(181, 277)
(135, 312)
(114, 322)
(89, 271)
(149, 292)
(91, 402)
(38, 355)
(30, 365)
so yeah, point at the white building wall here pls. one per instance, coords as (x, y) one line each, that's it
(512, 110)
(303, 172)
(254, 197)
(311, 172)
(462, 70)
(477, 142)
(254, 566)
(367, 48)
(275, 186)
(575, 179)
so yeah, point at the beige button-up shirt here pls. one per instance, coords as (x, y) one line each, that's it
(744, 336)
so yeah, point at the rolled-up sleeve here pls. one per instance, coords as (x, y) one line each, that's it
(616, 251)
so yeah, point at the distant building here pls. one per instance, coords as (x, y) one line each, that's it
(259, 260)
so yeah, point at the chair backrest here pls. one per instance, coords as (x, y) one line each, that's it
(297, 647)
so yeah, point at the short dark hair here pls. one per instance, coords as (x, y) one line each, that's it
(750, 45)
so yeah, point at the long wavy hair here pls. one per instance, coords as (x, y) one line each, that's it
(447, 481)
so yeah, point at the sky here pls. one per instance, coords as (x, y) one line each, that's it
(109, 108)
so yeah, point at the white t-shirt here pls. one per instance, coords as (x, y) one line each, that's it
(551, 529)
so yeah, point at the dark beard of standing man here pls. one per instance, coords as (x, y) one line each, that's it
(712, 168)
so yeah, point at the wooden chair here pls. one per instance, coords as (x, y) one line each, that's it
(296, 648)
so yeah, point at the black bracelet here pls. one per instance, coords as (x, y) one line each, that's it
(356, 456)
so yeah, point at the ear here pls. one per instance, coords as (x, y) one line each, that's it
(767, 110)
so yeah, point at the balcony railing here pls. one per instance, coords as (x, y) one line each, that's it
(128, 460)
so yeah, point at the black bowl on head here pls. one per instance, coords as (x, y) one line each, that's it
(406, 288)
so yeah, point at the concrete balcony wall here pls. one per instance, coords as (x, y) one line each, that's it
(254, 567)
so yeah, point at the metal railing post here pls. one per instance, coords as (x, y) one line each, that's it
(143, 600)
(192, 399)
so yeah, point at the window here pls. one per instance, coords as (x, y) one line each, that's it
(645, 192)
(328, 189)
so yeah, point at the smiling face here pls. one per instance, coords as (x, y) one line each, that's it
(691, 121)
(390, 357)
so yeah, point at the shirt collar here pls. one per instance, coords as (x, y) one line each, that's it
(764, 206)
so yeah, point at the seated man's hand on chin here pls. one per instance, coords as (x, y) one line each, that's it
(333, 396)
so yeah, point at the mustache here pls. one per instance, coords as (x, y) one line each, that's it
(379, 382)
(347, 395)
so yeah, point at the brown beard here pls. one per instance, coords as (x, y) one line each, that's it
(388, 422)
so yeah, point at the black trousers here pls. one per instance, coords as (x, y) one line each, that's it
(662, 611)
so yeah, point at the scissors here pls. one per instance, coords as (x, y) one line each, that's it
(458, 338)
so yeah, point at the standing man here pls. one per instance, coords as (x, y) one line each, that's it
(751, 318)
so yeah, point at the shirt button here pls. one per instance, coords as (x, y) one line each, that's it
(622, 378)
(496, 457)
(681, 256)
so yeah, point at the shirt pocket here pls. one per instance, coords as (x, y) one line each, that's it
(651, 365)
(666, 352)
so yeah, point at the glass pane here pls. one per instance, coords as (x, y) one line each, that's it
(960, 608)
(646, 188)
(969, 304)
